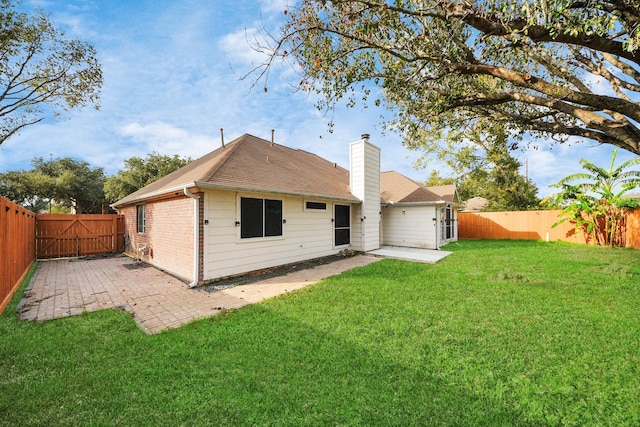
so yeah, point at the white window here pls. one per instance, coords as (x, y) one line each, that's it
(140, 218)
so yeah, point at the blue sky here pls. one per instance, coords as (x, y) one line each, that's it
(171, 81)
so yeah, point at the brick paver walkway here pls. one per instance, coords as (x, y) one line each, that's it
(157, 301)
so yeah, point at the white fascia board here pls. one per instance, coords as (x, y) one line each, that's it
(209, 186)
(433, 203)
(174, 189)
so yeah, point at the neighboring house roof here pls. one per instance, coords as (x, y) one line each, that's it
(475, 204)
(397, 188)
(254, 164)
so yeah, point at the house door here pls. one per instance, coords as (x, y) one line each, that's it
(447, 223)
(342, 225)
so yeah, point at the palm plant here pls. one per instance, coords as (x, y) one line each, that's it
(595, 200)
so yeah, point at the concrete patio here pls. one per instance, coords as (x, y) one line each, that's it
(156, 300)
(410, 254)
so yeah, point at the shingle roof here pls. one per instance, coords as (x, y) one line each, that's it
(254, 164)
(397, 188)
(475, 204)
(446, 192)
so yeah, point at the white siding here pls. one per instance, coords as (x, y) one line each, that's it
(307, 234)
(356, 228)
(365, 185)
(410, 226)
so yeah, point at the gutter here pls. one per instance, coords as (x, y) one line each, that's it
(210, 186)
(196, 236)
(429, 203)
(153, 194)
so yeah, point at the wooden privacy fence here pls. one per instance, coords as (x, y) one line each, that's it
(533, 225)
(633, 229)
(17, 247)
(59, 236)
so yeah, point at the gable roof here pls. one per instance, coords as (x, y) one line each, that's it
(397, 188)
(446, 192)
(254, 164)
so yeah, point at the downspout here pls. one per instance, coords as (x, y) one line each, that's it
(196, 237)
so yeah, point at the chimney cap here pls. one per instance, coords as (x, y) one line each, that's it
(365, 136)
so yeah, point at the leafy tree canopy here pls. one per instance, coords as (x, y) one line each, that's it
(551, 69)
(41, 71)
(435, 180)
(22, 187)
(478, 154)
(66, 181)
(140, 172)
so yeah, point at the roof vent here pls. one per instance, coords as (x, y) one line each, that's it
(365, 136)
(273, 131)
(222, 136)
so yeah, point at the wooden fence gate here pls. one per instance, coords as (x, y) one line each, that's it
(59, 236)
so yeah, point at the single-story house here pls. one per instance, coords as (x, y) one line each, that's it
(253, 204)
(417, 216)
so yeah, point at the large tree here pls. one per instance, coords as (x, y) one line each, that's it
(42, 72)
(478, 155)
(552, 69)
(24, 188)
(139, 172)
(66, 181)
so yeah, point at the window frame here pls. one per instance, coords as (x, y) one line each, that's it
(141, 220)
(315, 209)
(339, 227)
(270, 224)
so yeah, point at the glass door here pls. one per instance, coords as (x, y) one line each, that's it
(342, 224)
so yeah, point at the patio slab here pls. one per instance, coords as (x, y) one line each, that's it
(411, 254)
(156, 300)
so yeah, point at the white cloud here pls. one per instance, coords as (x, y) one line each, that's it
(275, 6)
(549, 164)
(165, 138)
(241, 47)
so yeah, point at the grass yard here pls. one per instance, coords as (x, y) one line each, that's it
(503, 333)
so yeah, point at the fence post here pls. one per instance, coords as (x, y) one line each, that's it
(114, 234)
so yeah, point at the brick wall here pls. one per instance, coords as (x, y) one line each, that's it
(168, 234)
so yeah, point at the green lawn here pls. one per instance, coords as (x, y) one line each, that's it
(498, 333)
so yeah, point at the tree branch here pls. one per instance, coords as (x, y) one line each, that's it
(490, 25)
